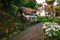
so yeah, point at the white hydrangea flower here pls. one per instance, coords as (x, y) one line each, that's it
(52, 28)
(50, 34)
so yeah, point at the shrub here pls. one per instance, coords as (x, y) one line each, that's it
(44, 19)
(52, 32)
(57, 20)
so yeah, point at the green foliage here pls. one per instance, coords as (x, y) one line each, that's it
(48, 19)
(30, 3)
(6, 4)
(52, 32)
(41, 19)
(8, 20)
(44, 19)
(57, 19)
(50, 1)
(13, 9)
(59, 2)
(13, 5)
(0, 1)
(58, 13)
(18, 3)
(22, 28)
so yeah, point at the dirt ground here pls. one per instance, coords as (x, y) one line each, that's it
(33, 33)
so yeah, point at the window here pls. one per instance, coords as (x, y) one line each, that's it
(32, 18)
(47, 13)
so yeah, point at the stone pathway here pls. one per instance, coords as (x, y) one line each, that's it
(33, 33)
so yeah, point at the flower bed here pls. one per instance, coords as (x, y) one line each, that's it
(52, 32)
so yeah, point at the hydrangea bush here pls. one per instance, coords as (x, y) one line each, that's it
(53, 30)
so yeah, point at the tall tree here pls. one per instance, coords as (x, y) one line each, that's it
(30, 3)
(58, 2)
(59, 8)
(18, 3)
(50, 1)
(13, 5)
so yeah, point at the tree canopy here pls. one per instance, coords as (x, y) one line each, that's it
(18, 3)
(50, 1)
(59, 3)
(13, 5)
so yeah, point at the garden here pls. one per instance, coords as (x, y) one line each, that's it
(51, 27)
(12, 24)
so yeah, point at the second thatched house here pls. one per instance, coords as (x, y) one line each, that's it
(26, 13)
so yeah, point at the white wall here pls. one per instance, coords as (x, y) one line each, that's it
(40, 13)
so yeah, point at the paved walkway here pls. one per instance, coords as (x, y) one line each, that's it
(32, 33)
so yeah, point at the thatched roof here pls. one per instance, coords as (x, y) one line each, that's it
(47, 8)
(28, 10)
